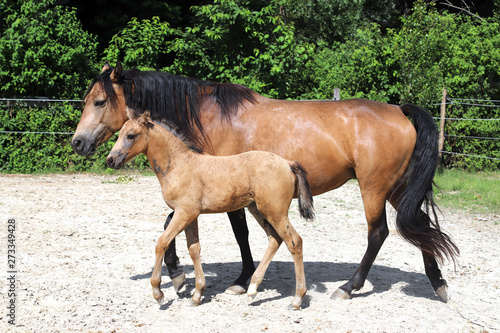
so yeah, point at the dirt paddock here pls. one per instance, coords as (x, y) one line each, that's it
(85, 250)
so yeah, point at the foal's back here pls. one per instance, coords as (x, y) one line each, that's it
(227, 183)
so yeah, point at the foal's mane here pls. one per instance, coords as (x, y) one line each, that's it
(170, 127)
(174, 99)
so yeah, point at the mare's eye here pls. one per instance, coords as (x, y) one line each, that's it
(100, 103)
(131, 136)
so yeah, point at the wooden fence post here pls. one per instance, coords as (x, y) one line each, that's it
(441, 124)
(336, 94)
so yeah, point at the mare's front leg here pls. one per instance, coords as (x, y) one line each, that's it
(194, 248)
(178, 223)
(176, 273)
(240, 230)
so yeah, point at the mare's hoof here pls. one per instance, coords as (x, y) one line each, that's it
(236, 290)
(442, 292)
(178, 281)
(341, 294)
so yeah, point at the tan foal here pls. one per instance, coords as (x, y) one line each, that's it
(194, 184)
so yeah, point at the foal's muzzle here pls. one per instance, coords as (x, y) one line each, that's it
(115, 161)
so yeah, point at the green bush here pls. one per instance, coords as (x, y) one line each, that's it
(44, 51)
(44, 152)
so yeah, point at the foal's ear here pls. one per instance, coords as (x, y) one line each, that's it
(145, 117)
(116, 73)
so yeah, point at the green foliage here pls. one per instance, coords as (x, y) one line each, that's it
(44, 51)
(42, 152)
(283, 49)
(412, 64)
(335, 21)
(244, 42)
(107, 18)
(142, 44)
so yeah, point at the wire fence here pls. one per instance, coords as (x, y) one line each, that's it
(471, 102)
(450, 101)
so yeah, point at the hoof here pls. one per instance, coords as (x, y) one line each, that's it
(293, 307)
(341, 294)
(442, 292)
(178, 281)
(194, 303)
(236, 290)
(160, 299)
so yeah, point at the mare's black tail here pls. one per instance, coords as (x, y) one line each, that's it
(413, 224)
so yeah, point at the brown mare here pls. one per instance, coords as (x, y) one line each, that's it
(194, 183)
(393, 158)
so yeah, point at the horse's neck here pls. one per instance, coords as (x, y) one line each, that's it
(165, 150)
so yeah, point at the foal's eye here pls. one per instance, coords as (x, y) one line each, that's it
(100, 103)
(131, 136)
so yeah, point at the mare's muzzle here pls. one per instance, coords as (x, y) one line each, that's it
(83, 146)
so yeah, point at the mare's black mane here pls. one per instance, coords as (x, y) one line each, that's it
(174, 99)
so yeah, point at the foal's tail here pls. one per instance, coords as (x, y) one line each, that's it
(413, 224)
(306, 207)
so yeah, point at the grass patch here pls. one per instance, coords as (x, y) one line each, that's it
(477, 191)
(120, 180)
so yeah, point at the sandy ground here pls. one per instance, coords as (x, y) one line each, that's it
(85, 249)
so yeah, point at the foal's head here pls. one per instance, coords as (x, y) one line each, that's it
(132, 141)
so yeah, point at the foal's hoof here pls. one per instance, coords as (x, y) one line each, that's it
(442, 292)
(236, 290)
(160, 298)
(178, 281)
(194, 303)
(293, 307)
(341, 294)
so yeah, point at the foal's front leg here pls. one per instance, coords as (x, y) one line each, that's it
(176, 273)
(194, 248)
(178, 223)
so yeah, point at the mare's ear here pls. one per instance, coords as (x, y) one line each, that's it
(145, 117)
(117, 72)
(105, 67)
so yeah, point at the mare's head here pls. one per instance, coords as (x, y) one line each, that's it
(132, 141)
(104, 113)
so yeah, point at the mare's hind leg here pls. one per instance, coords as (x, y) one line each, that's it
(240, 230)
(432, 269)
(176, 273)
(374, 205)
(431, 266)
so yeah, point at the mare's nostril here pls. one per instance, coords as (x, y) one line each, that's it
(110, 161)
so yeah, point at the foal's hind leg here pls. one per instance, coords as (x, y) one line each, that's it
(294, 243)
(240, 229)
(194, 248)
(281, 229)
(171, 259)
(374, 205)
(274, 242)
